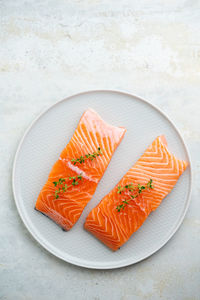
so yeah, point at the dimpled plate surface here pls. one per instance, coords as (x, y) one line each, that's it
(40, 148)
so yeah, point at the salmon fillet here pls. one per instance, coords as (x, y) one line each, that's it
(79, 170)
(123, 210)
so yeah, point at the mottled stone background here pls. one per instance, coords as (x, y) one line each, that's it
(51, 49)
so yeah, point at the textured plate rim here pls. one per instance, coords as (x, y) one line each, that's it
(86, 264)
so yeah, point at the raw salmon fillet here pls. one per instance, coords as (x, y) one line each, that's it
(92, 132)
(114, 227)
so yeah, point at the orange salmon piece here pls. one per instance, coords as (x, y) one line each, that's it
(113, 227)
(92, 132)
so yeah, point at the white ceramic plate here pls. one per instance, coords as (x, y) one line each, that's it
(40, 148)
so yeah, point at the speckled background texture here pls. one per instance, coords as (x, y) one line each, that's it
(51, 49)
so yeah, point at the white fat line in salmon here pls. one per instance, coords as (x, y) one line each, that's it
(80, 172)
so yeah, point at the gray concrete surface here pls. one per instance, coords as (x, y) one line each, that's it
(51, 49)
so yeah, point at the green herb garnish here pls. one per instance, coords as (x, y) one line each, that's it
(140, 188)
(63, 187)
(120, 189)
(149, 184)
(92, 156)
(130, 187)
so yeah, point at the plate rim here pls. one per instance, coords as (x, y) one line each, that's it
(42, 242)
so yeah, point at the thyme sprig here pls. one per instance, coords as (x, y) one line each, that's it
(92, 156)
(131, 188)
(62, 186)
